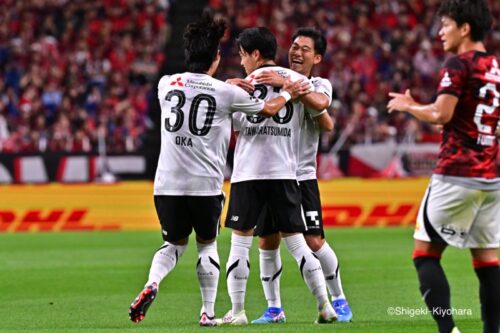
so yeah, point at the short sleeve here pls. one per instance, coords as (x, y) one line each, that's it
(244, 102)
(323, 86)
(452, 77)
(162, 86)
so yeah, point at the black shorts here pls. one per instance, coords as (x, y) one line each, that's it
(311, 206)
(279, 197)
(178, 216)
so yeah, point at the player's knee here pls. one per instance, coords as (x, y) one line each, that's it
(315, 242)
(481, 257)
(269, 242)
(243, 232)
(200, 240)
(428, 249)
(180, 242)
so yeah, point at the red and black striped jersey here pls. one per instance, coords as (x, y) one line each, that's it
(469, 147)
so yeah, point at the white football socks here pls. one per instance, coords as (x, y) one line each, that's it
(310, 267)
(208, 269)
(270, 273)
(330, 266)
(237, 270)
(164, 262)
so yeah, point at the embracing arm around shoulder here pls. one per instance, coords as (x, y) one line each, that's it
(290, 90)
(439, 112)
(316, 101)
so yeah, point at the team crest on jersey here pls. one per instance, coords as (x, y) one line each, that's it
(178, 81)
(494, 73)
(445, 81)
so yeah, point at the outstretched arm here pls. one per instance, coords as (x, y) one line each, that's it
(439, 112)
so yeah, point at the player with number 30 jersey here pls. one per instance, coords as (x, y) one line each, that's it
(196, 127)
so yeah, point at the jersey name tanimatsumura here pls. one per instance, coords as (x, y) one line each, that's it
(309, 137)
(196, 113)
(267, 148)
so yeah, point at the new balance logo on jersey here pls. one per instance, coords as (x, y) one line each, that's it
(446, 81)
(494, 73)
(177, 82)
(235, 218)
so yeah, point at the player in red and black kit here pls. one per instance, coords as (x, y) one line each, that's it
(461, 206)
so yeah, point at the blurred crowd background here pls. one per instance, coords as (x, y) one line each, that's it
(70, 70)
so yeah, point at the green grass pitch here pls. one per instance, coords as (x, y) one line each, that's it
(85, 282)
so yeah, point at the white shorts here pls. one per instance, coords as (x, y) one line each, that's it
(459, 216)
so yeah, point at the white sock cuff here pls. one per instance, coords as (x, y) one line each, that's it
(242, 241)
(295, 242)
(269, 254)
(204, 248)
(324, 250)
(179, 248)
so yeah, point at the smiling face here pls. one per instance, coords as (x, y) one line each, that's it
(451, 35)
(302, 56)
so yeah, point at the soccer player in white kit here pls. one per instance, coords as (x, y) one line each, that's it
(307, 50)
(196, 114)
(264, 175)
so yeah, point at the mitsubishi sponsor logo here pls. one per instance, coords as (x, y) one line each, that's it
(177, 82)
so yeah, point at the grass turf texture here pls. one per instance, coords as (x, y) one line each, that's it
(85, 282)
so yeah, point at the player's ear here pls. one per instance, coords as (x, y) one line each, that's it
(256, 54)
(317, 59)
(465, 29)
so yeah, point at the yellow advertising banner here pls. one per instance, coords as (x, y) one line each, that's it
(346, 202)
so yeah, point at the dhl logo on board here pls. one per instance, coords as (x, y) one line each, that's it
(129, 206)
(50, 220)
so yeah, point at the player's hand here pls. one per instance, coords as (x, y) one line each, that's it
(270, 78)
(243, 84)
(497, 132)
(298, 88)
(400, 102)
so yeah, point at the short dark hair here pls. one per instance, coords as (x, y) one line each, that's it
(474, 12)
(201, 42)
(261, 39)
(317, 37)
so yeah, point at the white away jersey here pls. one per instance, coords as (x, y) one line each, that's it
(267, 148)
(308, 148)
(196, 112)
